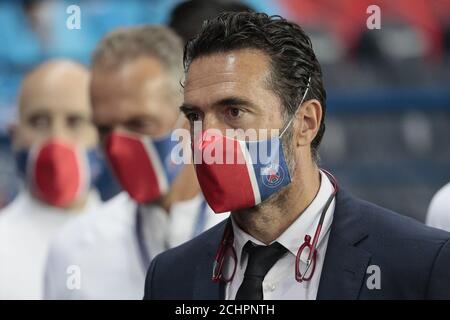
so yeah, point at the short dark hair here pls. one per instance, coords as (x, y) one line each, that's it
(290, 50)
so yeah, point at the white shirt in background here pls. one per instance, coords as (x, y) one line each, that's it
(279, 283)
(104, 248)
(26, 229)
(438, 215)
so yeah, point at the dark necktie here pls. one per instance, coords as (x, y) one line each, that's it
(260, 261)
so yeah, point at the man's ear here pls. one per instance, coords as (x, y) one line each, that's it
(308, 122)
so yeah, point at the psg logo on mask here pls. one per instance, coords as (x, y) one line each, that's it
(272, 176)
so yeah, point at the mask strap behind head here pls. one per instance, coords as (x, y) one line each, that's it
(298, 108)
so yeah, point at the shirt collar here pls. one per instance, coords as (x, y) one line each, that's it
(241, 238)
(306, 223)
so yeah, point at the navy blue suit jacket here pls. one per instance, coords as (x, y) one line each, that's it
(414, 260)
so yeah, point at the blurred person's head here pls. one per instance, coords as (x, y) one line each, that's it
(37, 13)
(251, 71)
(54, 138)
(135, 94)
(187, 17)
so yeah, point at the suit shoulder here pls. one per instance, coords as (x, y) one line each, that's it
(170, 275)
(186, 252)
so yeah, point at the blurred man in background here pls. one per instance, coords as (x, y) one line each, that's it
(135, 94)
(438, 215)
(55, 143)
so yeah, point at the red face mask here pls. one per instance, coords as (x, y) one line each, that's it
(59, 173)
(142, 165)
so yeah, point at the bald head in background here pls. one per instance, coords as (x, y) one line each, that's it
(54, 104)
(55, 147)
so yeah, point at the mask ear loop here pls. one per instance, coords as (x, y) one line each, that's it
(296, 111)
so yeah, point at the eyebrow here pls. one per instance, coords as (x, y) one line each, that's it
(229, 101)
(38, 112)
(187, 107)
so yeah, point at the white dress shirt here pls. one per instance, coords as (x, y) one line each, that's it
(438, 215)
(279, 283)
(26, 229)
(106, 250)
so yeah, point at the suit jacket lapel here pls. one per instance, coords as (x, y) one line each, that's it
(204, 287)
(345, 264)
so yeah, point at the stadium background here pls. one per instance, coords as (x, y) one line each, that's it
(388, 116)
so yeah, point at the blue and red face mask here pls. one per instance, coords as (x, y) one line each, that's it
(143, 165)
(58, 173)
(245, 181)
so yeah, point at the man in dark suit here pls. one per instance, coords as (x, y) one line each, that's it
(251, 71)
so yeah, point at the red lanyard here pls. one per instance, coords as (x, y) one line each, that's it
(226, 247)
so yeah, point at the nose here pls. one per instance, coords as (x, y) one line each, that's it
(59, 130)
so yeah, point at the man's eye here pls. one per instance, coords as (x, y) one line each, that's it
(75, 122)
(234, 112)
(104, 130)
(141, 125)
(39, 122)
(192, 116)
